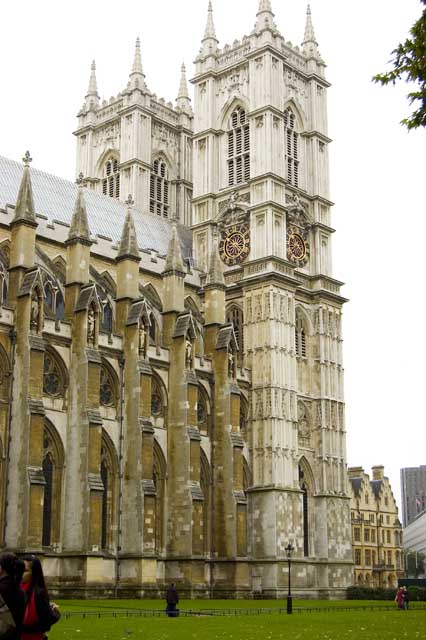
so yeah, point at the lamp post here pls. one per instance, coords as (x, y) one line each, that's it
(289, 549)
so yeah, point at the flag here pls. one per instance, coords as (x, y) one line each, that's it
(418, 502)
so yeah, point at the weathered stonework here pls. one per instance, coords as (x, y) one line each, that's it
(171, 377)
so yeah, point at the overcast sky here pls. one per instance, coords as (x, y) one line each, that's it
(378, 170)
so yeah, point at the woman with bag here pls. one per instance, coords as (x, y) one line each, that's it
(12, 598)
(37, 616)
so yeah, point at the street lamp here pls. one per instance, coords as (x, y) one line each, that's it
(289, 549)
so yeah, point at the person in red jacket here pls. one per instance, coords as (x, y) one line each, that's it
(37, 619)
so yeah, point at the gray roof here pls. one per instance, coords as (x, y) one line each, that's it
(54, 199)
(356, 485)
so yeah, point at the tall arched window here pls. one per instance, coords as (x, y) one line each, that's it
(300, 339)
(111, 179)
(235, 315)
(109, 475)
(159, 189)
(304, 489)
(53, 461)
(291, 147)
(238, 148)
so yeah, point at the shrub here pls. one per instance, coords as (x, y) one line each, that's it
(366, 593)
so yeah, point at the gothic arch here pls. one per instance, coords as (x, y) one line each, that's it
(247, 477)
(204, 412)
(192, 306)
(300, 312)
(150, 292)
(109, 476)
(164, 155)
(159, 402)
(159, 477)
(235, 314)
(5, 253)
(53, 466)
(295, 107)
(307, 485)
(106, 155)
(108, 388)
(229, 107)
(60, 266)
(110, 284)
(55, 375)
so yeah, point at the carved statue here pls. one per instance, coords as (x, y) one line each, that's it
(142, 339)
(188, 354)
(91, 326)
(231, 364)
(35, 312)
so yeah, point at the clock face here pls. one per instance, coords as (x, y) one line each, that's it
(234, 245)
(296, 246)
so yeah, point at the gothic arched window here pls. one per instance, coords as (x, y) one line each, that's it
(291, 147)
(238, 148)
(235, 315)
(47, 503)
(159, 189)
(111, 179)
(109, 474)
(106, 323)
(53, 461)
(157, 403)
(107, 389)
(304, 489)
(53, 382)
(300, 339)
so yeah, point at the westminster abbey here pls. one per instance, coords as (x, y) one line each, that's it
(171, 378)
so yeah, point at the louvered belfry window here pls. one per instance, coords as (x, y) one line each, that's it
(238, 148)
(111, 181)
(159, 189)
(291, 147)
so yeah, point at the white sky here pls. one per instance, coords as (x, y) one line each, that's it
(377, 169)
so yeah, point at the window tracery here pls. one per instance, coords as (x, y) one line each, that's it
(300, 339)
(159, 189)
(53, 384)
(106, 389)
(111, 180)
(238, 148)
(157, 403)
(235, 315)
(291, 147)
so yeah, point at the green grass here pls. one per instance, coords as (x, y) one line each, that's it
(324, 625)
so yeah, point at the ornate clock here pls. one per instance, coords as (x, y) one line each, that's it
(234, 244)
(296, 246)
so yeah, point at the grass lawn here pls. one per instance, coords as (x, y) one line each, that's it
(324, 625)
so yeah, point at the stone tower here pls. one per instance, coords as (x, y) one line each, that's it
(137, 143)
(261, 183)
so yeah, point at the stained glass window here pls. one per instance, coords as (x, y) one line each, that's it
(52, 379)
(106, 390)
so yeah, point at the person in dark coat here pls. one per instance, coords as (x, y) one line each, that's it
(11, 570)
(37, 616)
(172, 599)
(405, 598)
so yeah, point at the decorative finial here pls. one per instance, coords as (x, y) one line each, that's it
(80, 179)
(130, 202)
(27, 159)
(309, 44)
(265, 16)
(210, 31)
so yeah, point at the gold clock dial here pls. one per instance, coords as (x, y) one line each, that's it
(234, 245)
(296, 246)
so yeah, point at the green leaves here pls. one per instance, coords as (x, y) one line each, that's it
(409, 64)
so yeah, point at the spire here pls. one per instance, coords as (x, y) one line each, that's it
(183, 100)
(129, 242)
(215, 274)
(137, 76)
(209, 41)
(79, 229)
(265, 16)
(309, 44)
(174, 261)
(25, 210)
(92, 97)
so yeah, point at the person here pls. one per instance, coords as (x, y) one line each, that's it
(172, 599)
(399, 598)
(405, 598)
(37, 617)
(12, 597)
